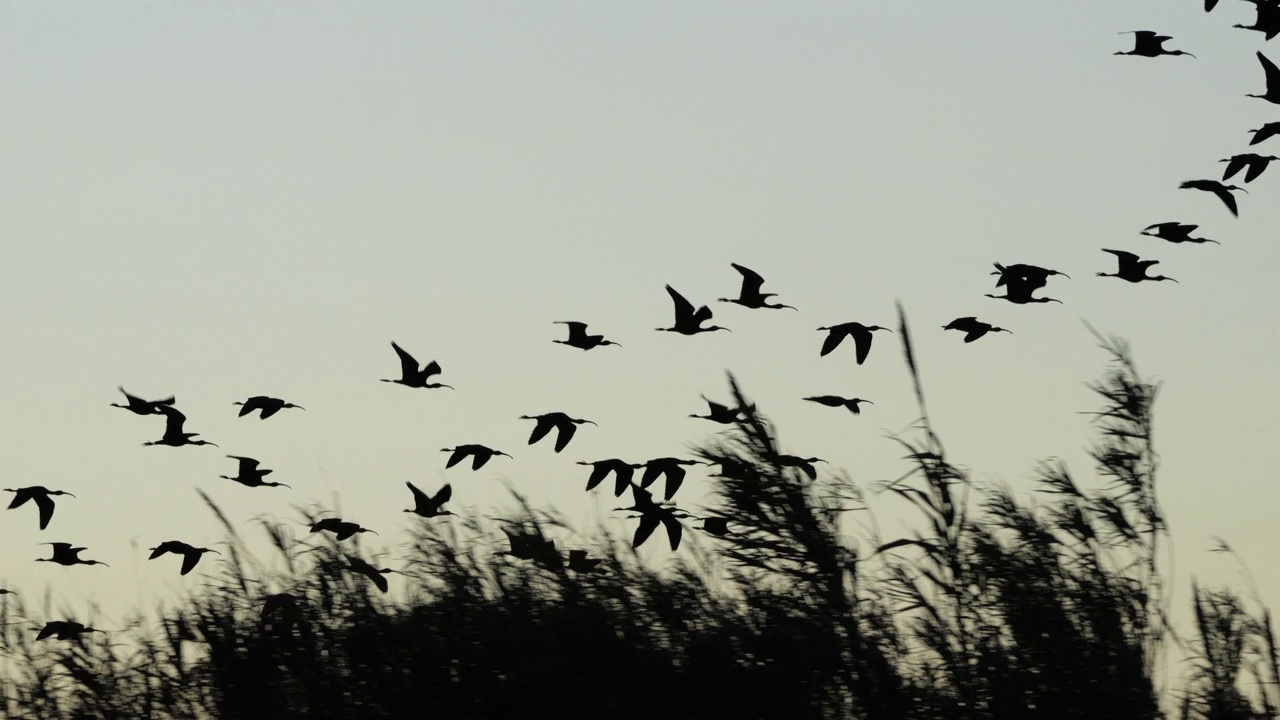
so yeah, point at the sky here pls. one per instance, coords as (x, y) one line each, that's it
(218, 200)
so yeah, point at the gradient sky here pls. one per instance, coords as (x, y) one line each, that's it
(218, 200)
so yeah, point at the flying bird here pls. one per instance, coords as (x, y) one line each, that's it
(64, 554)
(1149, 44)
(1265, 132)
(41, 496)
(973, 327)
(1019, 292)
(1267, 20)
(834, 401)
(671, 468)
(717, 526)
(579, 338)
(1175, 233)
(688, 321)
(429, 506)
(1222, 191)
(804, 464)
(1273, 81)
(411, 376)
(580, 563)
(249, 475)
(861, 337)
(174, 436)
(1131, 268)
(479, 455)
(139, 406)
(190, 554)
(339, 527)
(749, 296)
(375, 575)
(564, 425)
(268, 405)
(651, 515)
(533, 546)
(601, 468)
(722, 414)
(1255, 163)
(64, 630)
(1031, 276)
(284, 606)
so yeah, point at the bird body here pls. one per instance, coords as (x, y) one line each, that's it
(64, 630)
(479, 455)
(579, 338)
(250, 475)
(601, 469)
(174, 436)
(689, 321)
(64, 554)
(268, 405)
(564, 426)
(1175, 233)
(860, 333)
(138, 406)
(341, 529)
(1132, 268)
(411, 376)
(749, 296)
(190, 554)
(430, 506)
(972, 327)
(1148, 43)
(851, 404)
(722, 414)
(41, 496)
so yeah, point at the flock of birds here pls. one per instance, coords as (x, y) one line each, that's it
(1020, 281)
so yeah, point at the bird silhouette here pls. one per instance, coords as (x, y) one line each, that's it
(428, 506)
(579, 338)
(41, 496)
(64, 554)
(375, 575)
(1209, 5)
(284, 607)
(249, 475)
(411, 376)
(1273, 81)
(1265, 132)
(722, 414)
(1031, 276)
(804, 464)
(671, 468)
(339, 527)
(688, 321)
(190, 554)
(580, 563)
(717, 526)
(1019, 292)
(601, 469)
(1175, 233)
(651, 515)
(972, 327)
(749, 296)
(1267, 20)
(533, 546)
(1256, 164)
(174, 436)
(64, 630)
(861, 337)
(834, 401)
(1222, 191)
(1131, 268)
(479, 455)
(564, 425)
(1149, 44)
(268, 405)
(139, 406)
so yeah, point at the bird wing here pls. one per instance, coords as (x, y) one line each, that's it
(973, 334)
(834, 337)
(420, 498)
(1235, 165)
(1255, 169)
(674, 529)
(378, 579)
(247, 464)
(702, 315)
(160, 549)
(567, 430)
(268, 411)
(648, 523)
(173, 420)
(1227, 198)
(541, 429)
(45, 503)
(1265, 132)
(47, 630)
(20, 497)
(408, 364)
(456, 457)
(862, 338)
(1122, 256)
(189, 560)
(684, 308)
(432, 368)
(651, 473)
(480, 457)
(443, 496)
(751, 281)
(622, 479)
(598, 474)
(1272, 72)
(675, 478)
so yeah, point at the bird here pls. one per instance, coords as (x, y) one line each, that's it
(1175, 233)
(651, 515)
(1265, 132)
(1273, 81)
(268, 405)
(411, 376)
(339, 527)
(717, 526)
(1033, 276)
(671, 468)
(41, 496)
(1019, 292)
(564, 425)
(1131, 268)
(284, 606)
(1267, 20)
(836, 401)
(972, 327)
(749, 296)
(174, 436)
(688, 321)
(374, 574)
(1209, 5)
(533, 546)
(479, 455)
(249, 475)
(139, 406)
(601, 469)
(861, 337)
(428, 506)
(579, 338)
(64, 630)
(580, 563)
(1255, 163)
(804, 464)
(190, 554)
(1148, 44)
(722, 414)
(64, 554)
(1222, 191)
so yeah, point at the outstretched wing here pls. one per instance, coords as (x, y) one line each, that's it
(1273, 74)
(408, 365)
(443, 496)
(189, 561)
(862, 340)
(751, 280)
(1228, 199)
(684, 308)
(456, 457)
(1255, 169)
(648, 523)
(566, 434)
(541, 429)
(45, 503)
(834, 337)
(420, 498)
(674, 529)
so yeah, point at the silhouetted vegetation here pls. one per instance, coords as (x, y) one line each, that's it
(994, 607)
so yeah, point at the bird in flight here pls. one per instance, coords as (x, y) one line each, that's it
(411, 376)
(64, 554)
(671, 468)
(139, 406)
(580, 563)
(1019, 292)
(564, 425)
(804, 464)
(1222, 191)
(834, 401)
(722, 414)
(1131, 268)
(861, 337)
(688, 321)
(375, 575)
(1256, 164)
(428, 506)
(973, 328)
(190, 554)
(339, 527)
(1031, 276)
(1273, 81)
(1149, 44)
(64, 630)
(479, 455)
(40, 495)
(749, 296)
(1265, 132)
(533, 546)
(653, 514)
(1267, 20)
(1175, 233)
(579, 338)
(249, 475)
(623, 471)
(174, 436)
(268, 405)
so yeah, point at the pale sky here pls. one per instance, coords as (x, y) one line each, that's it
(217, 200)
